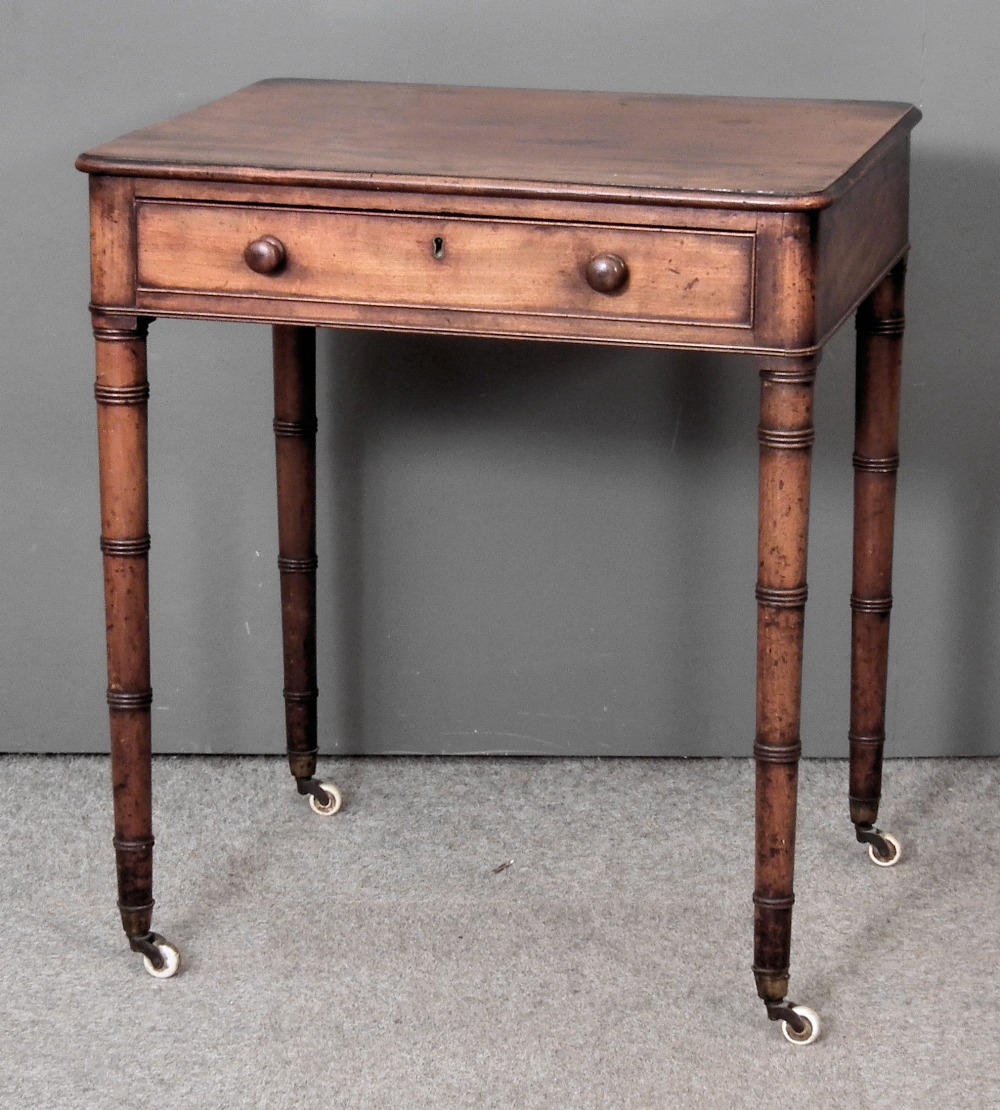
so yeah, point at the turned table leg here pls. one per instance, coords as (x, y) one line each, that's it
(786, 436)
(121, 391)
(295, 455)
(876, 460)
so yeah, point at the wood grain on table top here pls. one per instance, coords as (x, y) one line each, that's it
(723, 151)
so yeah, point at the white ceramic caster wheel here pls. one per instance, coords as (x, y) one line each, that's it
(332, 806)
(171, 961)
(809, 1034)
(895, 851)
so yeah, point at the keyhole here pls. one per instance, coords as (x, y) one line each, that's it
(437, 247)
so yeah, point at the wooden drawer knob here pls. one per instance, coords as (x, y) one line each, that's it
(265, 255)
(607, 273)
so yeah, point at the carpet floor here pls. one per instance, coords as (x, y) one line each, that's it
(384, 958)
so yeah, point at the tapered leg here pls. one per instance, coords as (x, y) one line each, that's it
(876, 460)
(121, 391)
(295, 453)
(786, 437)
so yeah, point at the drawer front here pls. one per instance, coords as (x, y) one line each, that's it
(667, 275)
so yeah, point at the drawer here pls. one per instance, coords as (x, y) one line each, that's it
(511, 266)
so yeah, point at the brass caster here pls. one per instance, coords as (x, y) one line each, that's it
(810, 1026)
(890, 855)
(324, 798)
(160, 958)
(884, 850)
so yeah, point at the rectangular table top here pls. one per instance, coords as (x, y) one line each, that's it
(716, 151)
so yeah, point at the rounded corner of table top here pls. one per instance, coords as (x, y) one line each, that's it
(86, 163)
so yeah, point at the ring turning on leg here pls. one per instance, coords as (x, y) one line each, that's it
(121, 391)
(876, 461)
(295, 455)
(786, 436)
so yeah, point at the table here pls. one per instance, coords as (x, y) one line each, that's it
(715, 224)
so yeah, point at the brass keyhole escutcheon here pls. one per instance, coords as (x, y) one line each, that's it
(437, 247)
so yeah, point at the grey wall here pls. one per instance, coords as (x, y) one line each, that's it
(523, 547)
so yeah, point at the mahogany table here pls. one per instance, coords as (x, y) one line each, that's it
(714, 224)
